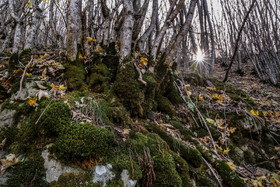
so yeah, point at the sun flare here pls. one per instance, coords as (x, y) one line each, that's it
(199, 56)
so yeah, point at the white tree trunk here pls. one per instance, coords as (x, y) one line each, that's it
(72, 29)
(35, 25)
(127, 27)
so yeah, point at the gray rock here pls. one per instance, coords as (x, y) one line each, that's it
(28, 91)
(103, 174)
(55, 168)
(7, 117)
(126, 180)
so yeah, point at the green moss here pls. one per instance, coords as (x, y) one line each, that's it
(55, 117)
(28, 173)
(228, 175)
(191, 155)
(165, 169)
(164, 105)
(182, 168)
(99, 78)
(187, 133)
(13, 62)
(114, 113)
(249, 157)
(22, 109)
(74, 180)
(75, 76)
(150, 91)
(173, 95)
(78, 142)
(127, 88)
(204, 181)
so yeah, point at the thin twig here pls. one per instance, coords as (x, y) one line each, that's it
(43, 112)
(213, 172)
(22, 78)
(198, 112)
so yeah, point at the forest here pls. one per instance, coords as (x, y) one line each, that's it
(139, 93)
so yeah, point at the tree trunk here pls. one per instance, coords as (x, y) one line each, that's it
(127, 29)
(72, 29)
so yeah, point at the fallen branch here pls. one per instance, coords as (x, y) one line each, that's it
(43, 112)
(22, 78)
(198, 112)
(213, 172)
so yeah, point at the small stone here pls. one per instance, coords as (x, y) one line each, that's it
(126, 181)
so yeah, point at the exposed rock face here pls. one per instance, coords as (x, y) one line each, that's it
(103, 174)
(28, 91)
(126, 181)
(55, 168)
(7, 117)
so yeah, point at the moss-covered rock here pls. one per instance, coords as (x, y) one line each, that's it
(55, 117)
(75, 76)
(191, 155)
(78, 142)
(28, 173)
(228, 175)
(127, 88)
(150, 91)
(74, 180)
(164, 105)
(99, 78)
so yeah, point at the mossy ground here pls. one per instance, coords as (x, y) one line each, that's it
(152, 155)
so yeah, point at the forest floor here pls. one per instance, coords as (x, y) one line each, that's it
(266, 94)
(241, 118)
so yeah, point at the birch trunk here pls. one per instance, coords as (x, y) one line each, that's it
(127, 29)
(72, 29)
(35, 24)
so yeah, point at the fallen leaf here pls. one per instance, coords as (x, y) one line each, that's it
(43, 94)
(226, 150)
(126, 131)
(200, 97)
(61, 87)
(40, 86)
(52, 85)
(231, 165)
(28, 74)
(31, 101)
(210, 120)
(8, 162)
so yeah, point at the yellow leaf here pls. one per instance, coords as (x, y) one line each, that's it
(126, 131)
(187, 85)
(80, 56)
(28, 74)
(210, 120)
(215, 96)
(219, 101)
(89, 39)
(99, 48)
(30, 3)
(61, 87)
(231, 165)
(19, 71)
(144, 60)
(254, 113)
(200, 97)
(232, 130)
(171, 43)
(189, 93)
(52, 85)
(31, 101)
(226, 150)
